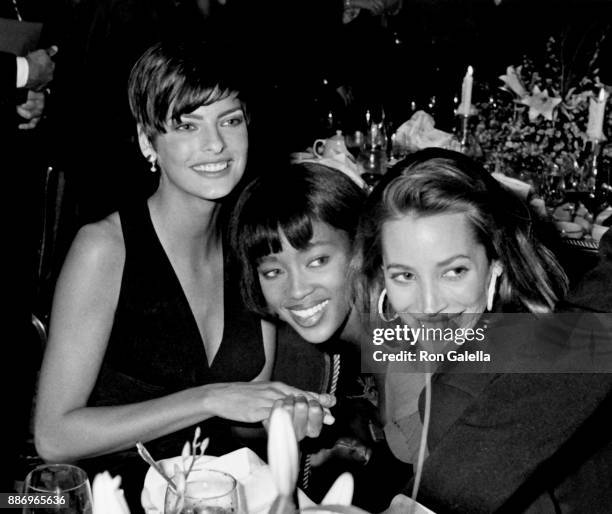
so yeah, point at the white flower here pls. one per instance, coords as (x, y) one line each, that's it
(512, 81)
(107, 495)
(283, 451)
(540, 103)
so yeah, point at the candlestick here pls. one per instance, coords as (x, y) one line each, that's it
(597, 108)
(466, 92)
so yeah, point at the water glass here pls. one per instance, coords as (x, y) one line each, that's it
(208, 492)
(60, 479)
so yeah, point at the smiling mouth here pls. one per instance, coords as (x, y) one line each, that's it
(309, 317)
(212, 167)
(306, 313)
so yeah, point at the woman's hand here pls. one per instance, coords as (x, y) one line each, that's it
(308, 415)
(253, 401)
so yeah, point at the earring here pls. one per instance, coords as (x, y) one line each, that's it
(381, 306)
(496, 272)
(153, 162)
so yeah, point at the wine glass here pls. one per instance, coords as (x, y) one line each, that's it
(355, 142)
(68, 482)
(207, 491)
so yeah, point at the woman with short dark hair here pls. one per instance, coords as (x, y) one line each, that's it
(149, 335)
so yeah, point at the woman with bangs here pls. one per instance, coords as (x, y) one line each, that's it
(148, 333)
(293, 232)
(295, 248)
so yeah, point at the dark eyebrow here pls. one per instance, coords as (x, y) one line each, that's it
(192, 116)
(312, 244)
(446, 262)
(230, 111)
(266, 258)
(319, 242)
(440, 264)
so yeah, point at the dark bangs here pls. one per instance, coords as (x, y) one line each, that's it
(289, 203)
(192, 96)
(172, 79)
(262, 235)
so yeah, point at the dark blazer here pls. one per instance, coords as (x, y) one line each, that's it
(524, 442)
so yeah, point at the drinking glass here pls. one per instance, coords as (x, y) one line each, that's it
(208, 492)
(61, 479)
(355, 142)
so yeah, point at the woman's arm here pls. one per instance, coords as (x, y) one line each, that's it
(82, 317)
(268, 332)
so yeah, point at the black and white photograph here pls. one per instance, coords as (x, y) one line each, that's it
(334, 256)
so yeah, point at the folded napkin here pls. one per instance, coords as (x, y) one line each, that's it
(419, 132)
(344, 163)
(256, 485)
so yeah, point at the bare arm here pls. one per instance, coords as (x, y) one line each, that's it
(82, 317)
(268, 331)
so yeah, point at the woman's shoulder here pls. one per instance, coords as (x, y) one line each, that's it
(99, 245)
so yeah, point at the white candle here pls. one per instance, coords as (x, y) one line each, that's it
(466, 92)
(597, 108)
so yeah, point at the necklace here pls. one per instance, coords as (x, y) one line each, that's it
(16, 7)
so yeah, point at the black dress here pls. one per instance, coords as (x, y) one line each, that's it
(155, 349)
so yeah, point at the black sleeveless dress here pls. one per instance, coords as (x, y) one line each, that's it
(155, 349)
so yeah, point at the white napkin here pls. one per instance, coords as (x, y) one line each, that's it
(253, 475)
(341, 162)
(419, 132)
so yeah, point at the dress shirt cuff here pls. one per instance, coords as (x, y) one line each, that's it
(23, 70)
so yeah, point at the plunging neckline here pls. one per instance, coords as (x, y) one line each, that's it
(194, 322)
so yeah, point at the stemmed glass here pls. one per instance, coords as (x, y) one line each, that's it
(207, 492)
(69, 483)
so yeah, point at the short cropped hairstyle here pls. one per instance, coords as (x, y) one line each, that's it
(288, 202)
(172, 79)
(436, 181)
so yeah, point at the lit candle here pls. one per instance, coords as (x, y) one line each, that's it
(466, 92)
(597, 108)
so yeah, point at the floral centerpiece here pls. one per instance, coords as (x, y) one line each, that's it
(534, 124)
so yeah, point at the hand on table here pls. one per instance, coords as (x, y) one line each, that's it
(32, 109)
(40, 68)
(253, 401)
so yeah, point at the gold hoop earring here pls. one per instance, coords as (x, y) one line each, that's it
(381, 307)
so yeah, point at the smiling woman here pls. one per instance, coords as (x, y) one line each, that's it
(149, 336)
(447, 243)
(296, 248)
